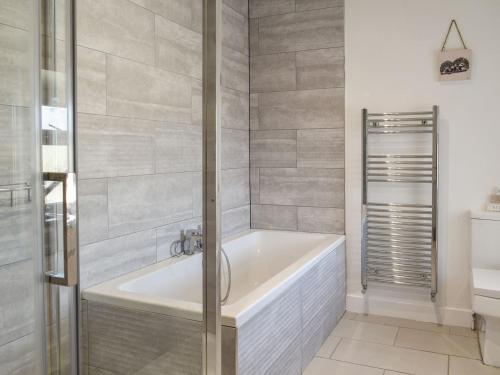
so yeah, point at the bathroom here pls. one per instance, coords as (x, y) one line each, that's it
(195, 187)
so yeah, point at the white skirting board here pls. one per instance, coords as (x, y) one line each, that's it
(406, 309)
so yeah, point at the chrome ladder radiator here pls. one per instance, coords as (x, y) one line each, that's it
(399, 232)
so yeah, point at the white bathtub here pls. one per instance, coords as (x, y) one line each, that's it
(263, 264)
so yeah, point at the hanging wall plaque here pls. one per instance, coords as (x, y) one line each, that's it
(454, 64)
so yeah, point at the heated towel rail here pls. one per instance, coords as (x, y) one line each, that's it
(399, 239)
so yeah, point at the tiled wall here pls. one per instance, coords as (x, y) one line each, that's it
(297, 114)
(139, 129)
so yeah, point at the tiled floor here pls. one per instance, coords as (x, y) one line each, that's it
(378, 345)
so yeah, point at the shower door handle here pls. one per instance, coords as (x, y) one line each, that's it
(69, 274)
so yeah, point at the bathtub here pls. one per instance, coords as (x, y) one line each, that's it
(283, 283)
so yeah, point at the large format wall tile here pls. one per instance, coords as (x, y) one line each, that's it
(273, 72)
(140, 91)
(16, 231)
(143, 202)
(273, 148)
(234, 70)
(108, 259)
(93, 210)
(118, 27)
(301, 5)
(111, 146)
(319, 69)
(274, 217)
(178, 11)
(240, 6)
(320, 148)
(178, 49)
(302, 109)
(260, 8)
(235, 148)
(18, 357)
(321, 219)
(16, 13)
(235, 221)
(234, 188)
(302, 187)
(91, 79)
(234, 30)
(314, 29)
(235, 109)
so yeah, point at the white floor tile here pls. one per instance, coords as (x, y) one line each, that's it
(406, 323)
(328, 347)
(391, 358)
(370, 332)
(464, 366)
(462, 331)
(350, 315)
(389, 372)
(438, 343)
(322, 366)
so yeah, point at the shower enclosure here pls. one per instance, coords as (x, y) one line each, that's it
(110, 146)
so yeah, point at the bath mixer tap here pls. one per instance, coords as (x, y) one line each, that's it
(193, 241)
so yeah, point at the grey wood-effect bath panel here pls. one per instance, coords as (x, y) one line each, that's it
(108, 259)
(315, 29)
(240, 6)
(235, 148)
(235, 109)
(170, 233)
(141, 91)
(111, 146)
(273, 148)
(234, 30)
(15, 62)
(261, 8)
(142, 202)
(178, 148)
(93, 211)
(235, 70)
(91, 81)
(321, 220)
(17, 307)
(274, 72)
(290, 362)
(274, 217)
(301, 5)
(234, 188)
(305, 109)
(18, 357)
(235, 221)
(128, 341)
(118, 27)
(178, 48)
(320, 148)
(320, 69)
(178, 11)
(302, 187)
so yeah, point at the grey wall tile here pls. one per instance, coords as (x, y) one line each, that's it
(301, 5)
(16, 230)
(140, 91)
(234, 70)
(197, 190)
(112, 258)
(235, 109)
(274, 217)
(178, 11)
(320, 148)
(235, 221)
(166, 235)
(121, 342)
(253, 30)
(261, 8)
(323, 28)
(143, 202)
(240, 6)
(16, 13)
(92, 211)
(19, 357)
(118, 27)
(254, 185)
(273, 148)
(273, 72)
(196, 102)
(254, 111)
(196, 15)
(321, 220)
(234, 30)
(91, 81)
(235, 190)
(178, 49)
(302, 109)
(235, 148)
(17, 307)
(178, 148)
(302, 187)
(14, 66)
(319, 69)
(112, 146)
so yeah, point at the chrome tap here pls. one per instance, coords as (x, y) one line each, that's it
(193, 241)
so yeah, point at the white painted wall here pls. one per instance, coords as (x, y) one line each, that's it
(390, 66)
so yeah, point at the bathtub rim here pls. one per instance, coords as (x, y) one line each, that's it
(233, 315)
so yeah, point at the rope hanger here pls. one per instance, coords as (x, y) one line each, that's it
(453, 22)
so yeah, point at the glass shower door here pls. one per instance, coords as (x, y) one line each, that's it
(21, 281)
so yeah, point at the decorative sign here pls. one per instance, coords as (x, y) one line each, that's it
(454, 64)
